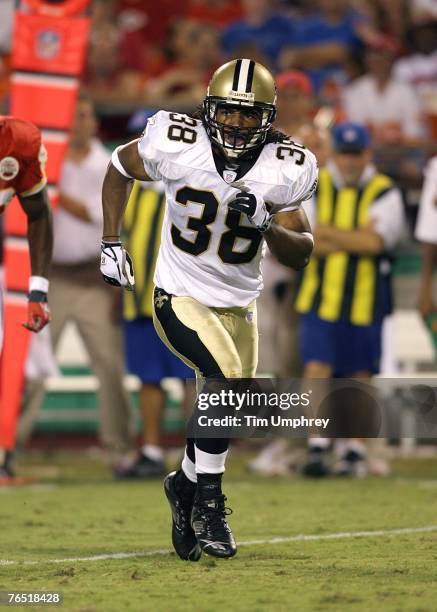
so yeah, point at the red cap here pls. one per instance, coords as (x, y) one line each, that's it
(294, 78)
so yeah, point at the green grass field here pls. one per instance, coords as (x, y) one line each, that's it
(78, 512)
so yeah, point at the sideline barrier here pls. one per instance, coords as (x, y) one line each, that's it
(48, 55)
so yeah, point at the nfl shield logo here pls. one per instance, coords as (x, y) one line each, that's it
(229, 176)
(9, 168)
(48, 44)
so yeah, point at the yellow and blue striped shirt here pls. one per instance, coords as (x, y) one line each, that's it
(344, 285)
(142, 227)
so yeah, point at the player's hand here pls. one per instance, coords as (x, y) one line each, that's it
(38, 311)
(253, 206)
(116, 265)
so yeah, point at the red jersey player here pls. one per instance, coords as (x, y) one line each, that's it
(22, 159)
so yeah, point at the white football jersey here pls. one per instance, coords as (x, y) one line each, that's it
(209, 252)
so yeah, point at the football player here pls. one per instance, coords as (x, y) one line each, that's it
(22, 161)
(232, 183)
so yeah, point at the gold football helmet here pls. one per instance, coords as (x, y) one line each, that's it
(245, 84)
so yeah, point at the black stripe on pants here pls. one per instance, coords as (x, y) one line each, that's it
(187, 342)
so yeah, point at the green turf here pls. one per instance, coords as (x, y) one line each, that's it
(78, 511)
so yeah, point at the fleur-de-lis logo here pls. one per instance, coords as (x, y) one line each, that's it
(160, 300)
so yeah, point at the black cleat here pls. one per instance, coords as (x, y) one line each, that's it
(182, 535)
(6, 469)
(208, 519)
(143, 468)
(316, 466)
(352, 464)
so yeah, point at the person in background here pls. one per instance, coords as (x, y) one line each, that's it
(357, 217)
(277, 318)
(107, 79)
(323, 42)
(146, 355)
(6, 24)
(142, 28)
(219, 13)
(296, 102)
(22, 173)
(77, 292)
(261, 33)
(389, 107)
(419, 67)
(193, 53)
(391, 17)
(426, 232)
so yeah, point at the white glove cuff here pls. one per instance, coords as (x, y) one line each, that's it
(38, 283)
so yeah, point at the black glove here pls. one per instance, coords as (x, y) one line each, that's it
(254, 207)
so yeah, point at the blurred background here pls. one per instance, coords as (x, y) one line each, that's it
(369, 61)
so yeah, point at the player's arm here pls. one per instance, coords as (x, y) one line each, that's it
(290, 239)
(125, 166)
(288, 233)
(382, 232)
(74, 207)
(360, 241)
(40, 238)
(39, 231)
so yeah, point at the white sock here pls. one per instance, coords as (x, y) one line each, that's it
(188, 468)
(340, 448)
(153, 452)
(209, 463)
(318, 443)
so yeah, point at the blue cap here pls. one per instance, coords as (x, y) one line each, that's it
(350, 137)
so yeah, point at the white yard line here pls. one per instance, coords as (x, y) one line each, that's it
(381, 533)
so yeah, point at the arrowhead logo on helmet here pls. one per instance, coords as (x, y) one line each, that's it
(243, 84)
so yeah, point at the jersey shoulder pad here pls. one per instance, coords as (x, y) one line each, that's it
(299, 169)
(168, 133)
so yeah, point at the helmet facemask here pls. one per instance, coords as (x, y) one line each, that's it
(240, 85)
(237, 140)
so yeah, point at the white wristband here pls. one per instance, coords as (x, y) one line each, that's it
(117, 163)
(38, 283)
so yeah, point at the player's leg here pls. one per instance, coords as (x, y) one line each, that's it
(103, 340)
(196, 334)
(318, 352)
(60, 304)
(361, 353)
(144, 353)
(151, 361)
(244, 333)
